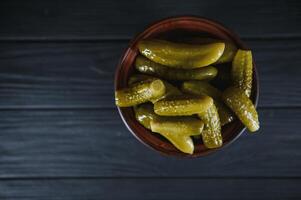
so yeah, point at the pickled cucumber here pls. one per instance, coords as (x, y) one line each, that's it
(201, 88)
(204, 88)
(242, 70)
(178, 131)
(225, 114)
(211, 135)
(139, 93)
(170, 90)
(181, 55)
(242, 106)
(229, 52)
(145, 114)
(182, 105)
(180, 125)
(147, 66)
(139, 77)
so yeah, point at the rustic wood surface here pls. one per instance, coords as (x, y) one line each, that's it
(62, 138)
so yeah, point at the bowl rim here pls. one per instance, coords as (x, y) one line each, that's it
(233, 35)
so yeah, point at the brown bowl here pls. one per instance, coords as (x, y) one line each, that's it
(173, 28)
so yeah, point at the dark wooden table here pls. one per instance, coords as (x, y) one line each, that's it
(62, 138)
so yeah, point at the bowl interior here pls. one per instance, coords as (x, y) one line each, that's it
(177, 29)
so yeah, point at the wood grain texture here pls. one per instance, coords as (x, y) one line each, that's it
(209, 189)
(68, 20)
(61, 137)
(95, 143)
(80, 75)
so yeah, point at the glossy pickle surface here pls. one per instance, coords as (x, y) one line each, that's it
(175, 129)
(229, 51)
(147, 66)
(180, 55)
(182, 105)
(178, 131)
(242, 71)
(140, 92)
(205, 88)
(170, 113)
(144, 114)
(211, 135)
(242, 106)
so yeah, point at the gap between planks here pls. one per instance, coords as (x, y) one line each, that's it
(150, 178)
(104, 39)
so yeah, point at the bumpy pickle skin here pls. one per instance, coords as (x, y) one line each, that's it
(179, 55)
(170, 90)
(135, 78)
(225, 114)
(228, 54)
(242, 70)
(242, 106)
(139, 93)
(144, 114)
(178, 131)
(182, 105)
(147, 66)
(204, 88)
(180, 125)
(201, 88)
(229, 51)
(211, 135)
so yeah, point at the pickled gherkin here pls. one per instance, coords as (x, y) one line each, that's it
(139, 93)
(229, 51)
(228, 54)
(204, 88)
(211, 135)
(180, 55)
(201, 88)
(147, 66)
(180, 125)
(139, 77)
(225, 114)
(145, 114)
(242, 70)
(178, 131)
(242, 106)
(182, 105)
(176, 92)
(170, 90)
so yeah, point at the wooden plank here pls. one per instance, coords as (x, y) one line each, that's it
(68, 20)
(95, 143)
(226, 189)
(80, 75)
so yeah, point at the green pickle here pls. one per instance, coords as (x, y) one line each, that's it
(242, 106)
(198, 109)
(204, 88)
(170, 90)
(225, 114)
(145, 114)
(201, 87)
(139, 77)
(211, 135)
(178, 131)
(147, 66)
(182, 105)
(242, 70)
(229, 51)
(180, 55)
(139, 93)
